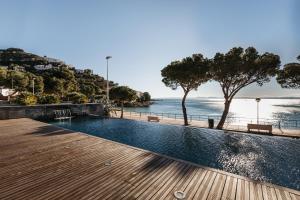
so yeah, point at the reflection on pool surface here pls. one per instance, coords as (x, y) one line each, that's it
(264, 158)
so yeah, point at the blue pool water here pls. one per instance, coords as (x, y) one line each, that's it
(263, 158)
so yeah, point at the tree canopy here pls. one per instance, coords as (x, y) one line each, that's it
(239, 68)
(3, 76)
(122, 94)
(289, 76)
(146, 96)
(17, 80)
(188, 73)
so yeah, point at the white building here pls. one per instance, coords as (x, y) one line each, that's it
(6, 93)
(18, 68)
(53, 60)
(43, 67)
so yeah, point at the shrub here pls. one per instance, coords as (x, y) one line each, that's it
(77, 98)
(26, 98)
(48, 99)
(98, 98)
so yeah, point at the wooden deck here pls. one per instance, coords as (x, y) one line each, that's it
(41, 161)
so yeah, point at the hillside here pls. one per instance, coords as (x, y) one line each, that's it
(18, 69)
(20, 57)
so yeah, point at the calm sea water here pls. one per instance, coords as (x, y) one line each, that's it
(273, 109)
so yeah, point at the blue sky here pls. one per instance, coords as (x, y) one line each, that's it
(144, 36)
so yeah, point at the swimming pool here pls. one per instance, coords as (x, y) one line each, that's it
(264, 158)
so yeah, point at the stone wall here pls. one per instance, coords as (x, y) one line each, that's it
(47, 111)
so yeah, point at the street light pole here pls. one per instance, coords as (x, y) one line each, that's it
(257, 100)
(33, 86)
(107, 82)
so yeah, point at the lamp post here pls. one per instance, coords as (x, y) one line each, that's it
(33, 85)
(107, 82)
(257, 100)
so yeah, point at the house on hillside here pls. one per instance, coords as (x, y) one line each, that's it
(6, 94)
(54, 60)
(43, 67)
(17, 68)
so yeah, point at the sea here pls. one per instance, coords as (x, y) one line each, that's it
(268, 109)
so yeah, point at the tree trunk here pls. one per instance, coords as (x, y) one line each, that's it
(224, 115)
(122, 106)
(184, 109)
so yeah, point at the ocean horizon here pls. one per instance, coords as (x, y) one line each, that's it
(270, 109)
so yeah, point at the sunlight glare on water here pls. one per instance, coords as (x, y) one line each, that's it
(267, 107)
(272, 109)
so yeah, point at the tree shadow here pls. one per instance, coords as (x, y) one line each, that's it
(161, 164)
(50, 130)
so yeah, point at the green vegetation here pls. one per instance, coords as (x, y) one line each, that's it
(289, 76)
(15, 56)
(92, 85)
(189, 74)
(3, 76)
(77, 98)
(48, 99)
(239, 68)
(20, 81)
(26, 98)
(234, 70)
(122, 94)
(59, 82)
(146, 97)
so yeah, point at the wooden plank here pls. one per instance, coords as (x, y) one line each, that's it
(182, 184)
(142, 176)
(90, 175)
(217, 187)
(268, 193)
(255, 191)
(167, 185)
(242, 192)
(229, 188)
(205, 186)
(108, 186)
(95, 179)
(46, 174)
(195, 183)
(282, 195)
(144, 187)
(294, 196)
(72, 166)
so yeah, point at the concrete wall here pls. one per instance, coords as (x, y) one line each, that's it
(47, 111)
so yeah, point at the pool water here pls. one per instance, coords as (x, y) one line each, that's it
(263, 158)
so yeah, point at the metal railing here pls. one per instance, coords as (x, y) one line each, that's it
(230, 120)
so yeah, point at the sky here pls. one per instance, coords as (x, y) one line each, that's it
(143, 36)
